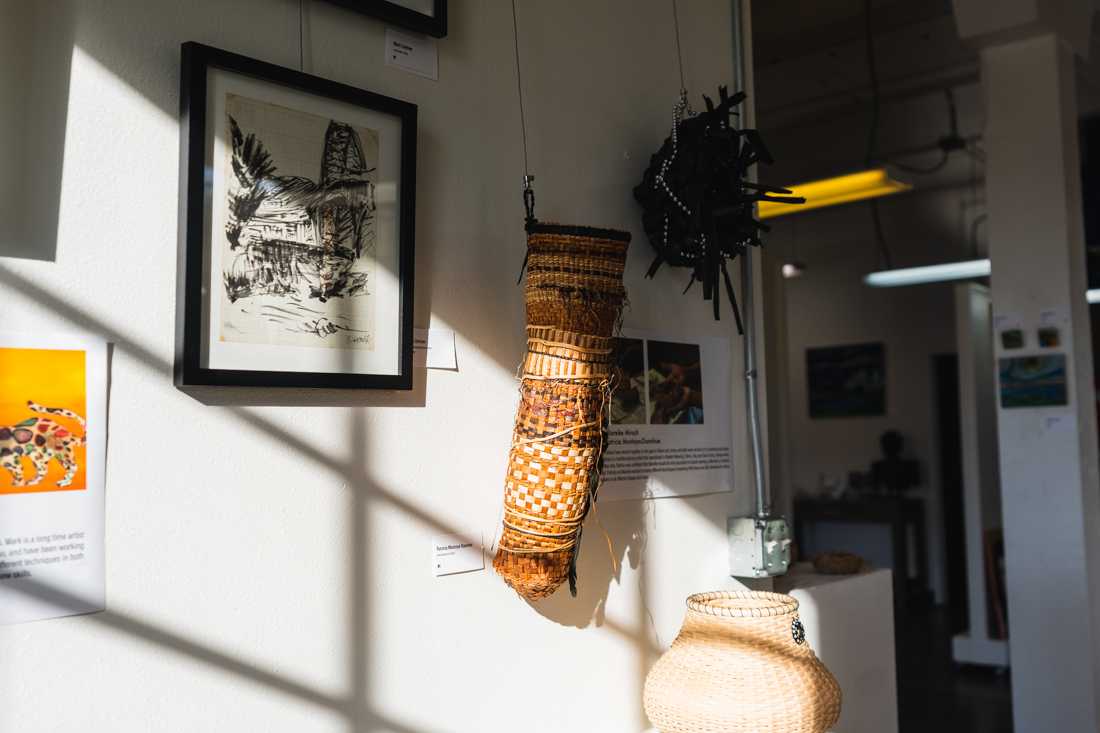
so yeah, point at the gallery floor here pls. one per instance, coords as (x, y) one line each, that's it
(936, 694)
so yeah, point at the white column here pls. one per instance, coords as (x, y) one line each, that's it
(978, 448)
(1048, 455)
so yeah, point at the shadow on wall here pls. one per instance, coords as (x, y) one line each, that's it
(486, 315)
(609, 542)
(361, 716)
(626, 529)
(34, 85)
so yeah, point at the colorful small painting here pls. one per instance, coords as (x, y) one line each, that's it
(847, 381)
(42, 426)
(1012, 338)
(675, 383)
(1033, 381)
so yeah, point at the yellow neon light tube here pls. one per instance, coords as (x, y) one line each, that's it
(832, 191)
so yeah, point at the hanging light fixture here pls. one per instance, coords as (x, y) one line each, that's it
(792, 266)
(938, 273)
(792, 269)
(929, 274)
(850, 187)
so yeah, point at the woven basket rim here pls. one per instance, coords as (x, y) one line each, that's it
(574, 230)
(742, 603)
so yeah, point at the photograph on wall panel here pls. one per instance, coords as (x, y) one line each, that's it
(296, 246)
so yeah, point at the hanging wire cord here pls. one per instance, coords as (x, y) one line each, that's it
(301, 34)
(679, 53)
(947, 144)
(528, 192)
(872, 133)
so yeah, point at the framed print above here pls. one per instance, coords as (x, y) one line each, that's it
(296, 229)
(423, 16)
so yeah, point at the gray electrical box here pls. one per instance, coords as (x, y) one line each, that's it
(760, 547)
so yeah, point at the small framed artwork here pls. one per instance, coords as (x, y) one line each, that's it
(423, 16)
(1033, 381)
(296, 229)
(847, 381)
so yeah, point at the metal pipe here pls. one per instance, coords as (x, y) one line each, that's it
(763, 508)
(748, 308)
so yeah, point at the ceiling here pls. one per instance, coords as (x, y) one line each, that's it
(811, 57)
(815, 60)
(779, 33)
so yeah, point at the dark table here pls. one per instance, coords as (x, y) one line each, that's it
(898, 512)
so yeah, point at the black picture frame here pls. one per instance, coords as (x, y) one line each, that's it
(197, 60)
(847, 380)
(390, 12)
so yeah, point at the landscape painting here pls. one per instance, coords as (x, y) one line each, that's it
(298, 252)
(847, 381)
(1034, 381)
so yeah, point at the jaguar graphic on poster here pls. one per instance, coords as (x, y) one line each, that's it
(42, 425)
(299, 242)
(53, 457)
(40, 440)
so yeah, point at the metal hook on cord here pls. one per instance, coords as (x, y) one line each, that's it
(529, 198)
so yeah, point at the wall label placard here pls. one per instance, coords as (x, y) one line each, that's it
(416, 54)
(452, 554)
(434, 348)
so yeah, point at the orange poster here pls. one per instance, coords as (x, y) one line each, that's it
(53, 461)
(42, 420)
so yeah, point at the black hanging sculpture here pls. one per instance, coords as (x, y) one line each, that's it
(698, 207)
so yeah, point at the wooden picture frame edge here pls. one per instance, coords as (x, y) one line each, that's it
(196, 60)
(388, 12)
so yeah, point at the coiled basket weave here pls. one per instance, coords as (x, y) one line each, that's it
(574, 296)
(741, 664)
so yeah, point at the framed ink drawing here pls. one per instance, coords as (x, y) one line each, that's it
(423, 16)
(296, 229)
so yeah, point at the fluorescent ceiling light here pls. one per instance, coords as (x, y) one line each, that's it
(832, 191)
(942, 273)
(929, 274)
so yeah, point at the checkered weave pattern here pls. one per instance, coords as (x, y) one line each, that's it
(574, 297)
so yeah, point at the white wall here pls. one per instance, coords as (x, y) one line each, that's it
(979, 462)
(34, 83)
(844, 612)
(267, 554)
(1048, 455)
(830, 305)
(13, 120)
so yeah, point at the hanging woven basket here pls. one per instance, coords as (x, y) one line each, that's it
(741, 664)
(574, 296)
